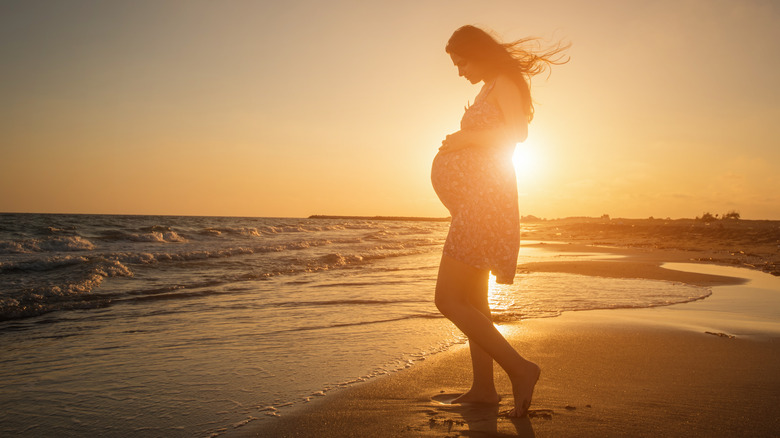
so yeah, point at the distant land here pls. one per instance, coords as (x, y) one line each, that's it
(383, 218)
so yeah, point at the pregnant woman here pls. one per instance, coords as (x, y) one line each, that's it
(474, 177)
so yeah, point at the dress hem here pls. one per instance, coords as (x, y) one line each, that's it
(499, 279)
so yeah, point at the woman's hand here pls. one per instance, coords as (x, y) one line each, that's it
(455, 142)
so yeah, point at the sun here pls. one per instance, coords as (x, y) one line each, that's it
(528, 161)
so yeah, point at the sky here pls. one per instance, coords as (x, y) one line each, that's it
(667, 108)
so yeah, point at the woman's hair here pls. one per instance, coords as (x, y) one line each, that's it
(514, 59)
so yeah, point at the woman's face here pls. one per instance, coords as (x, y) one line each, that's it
(468, 69)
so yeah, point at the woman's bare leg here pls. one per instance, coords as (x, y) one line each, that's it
(483, 388)
(455, 284)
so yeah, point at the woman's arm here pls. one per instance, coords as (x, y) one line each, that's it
(509, 101)
(481, 138)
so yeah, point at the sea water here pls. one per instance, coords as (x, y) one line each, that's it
(192, 326)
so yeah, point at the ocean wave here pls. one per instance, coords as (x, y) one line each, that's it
(345, 302)
(381, 235)
(277, 229)
(360, 323)
(72, 291)
(395, 244)
(240, 231)
(174, 292)
(503, 316)
(387, 233)
(340, 260)
(263, 270)
(151, 258)
(415, 230)
(161, 236)
(266, 230)
(372, 283)
(299, 228)
(326, 261)
(319, 227)
(40, 283)
(363, 225)
(156, 228)
(55, 244)
(55, 230)
(43, 264)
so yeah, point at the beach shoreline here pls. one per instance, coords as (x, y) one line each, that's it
(680, 370)
(753, 244)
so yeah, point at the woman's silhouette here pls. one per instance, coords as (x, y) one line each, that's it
(474, 178)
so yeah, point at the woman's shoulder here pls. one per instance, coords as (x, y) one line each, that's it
(508, 97)
(504, 87)
(506, 84)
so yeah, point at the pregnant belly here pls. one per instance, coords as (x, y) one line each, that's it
(449, 176)
(471, 175)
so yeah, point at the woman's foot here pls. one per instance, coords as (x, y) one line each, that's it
(478, 396)
(523, 389)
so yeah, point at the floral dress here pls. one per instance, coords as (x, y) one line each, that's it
(479, 188)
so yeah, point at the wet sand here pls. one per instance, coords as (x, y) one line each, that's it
(706, 368)
(600, 378)
(753, 244)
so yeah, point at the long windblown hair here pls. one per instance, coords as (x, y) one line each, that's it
(520, 59)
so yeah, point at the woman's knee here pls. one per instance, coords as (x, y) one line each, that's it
(443, 303)
(455, 285)
(449, 300)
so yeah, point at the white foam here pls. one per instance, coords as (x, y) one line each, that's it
(158, 236)
(44, 264)
(49, 296)
(59, 243)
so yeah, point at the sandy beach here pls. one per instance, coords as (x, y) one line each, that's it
(753, 244)
(704, 368)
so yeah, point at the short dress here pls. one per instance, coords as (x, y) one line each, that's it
(479, 187)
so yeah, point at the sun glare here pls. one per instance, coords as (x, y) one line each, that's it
(527, 161)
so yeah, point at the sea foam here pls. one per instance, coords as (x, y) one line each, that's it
(57, 243)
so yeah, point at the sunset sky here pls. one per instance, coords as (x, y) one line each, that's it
(292, 108)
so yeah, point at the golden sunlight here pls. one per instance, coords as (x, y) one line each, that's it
(527, 161)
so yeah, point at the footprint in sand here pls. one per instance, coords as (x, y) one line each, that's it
(445, 399)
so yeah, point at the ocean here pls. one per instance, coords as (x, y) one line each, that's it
(193, 326)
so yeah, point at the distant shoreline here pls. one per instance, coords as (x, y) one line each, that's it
(384, 218)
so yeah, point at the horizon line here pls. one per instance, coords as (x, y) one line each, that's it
(528, 218)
